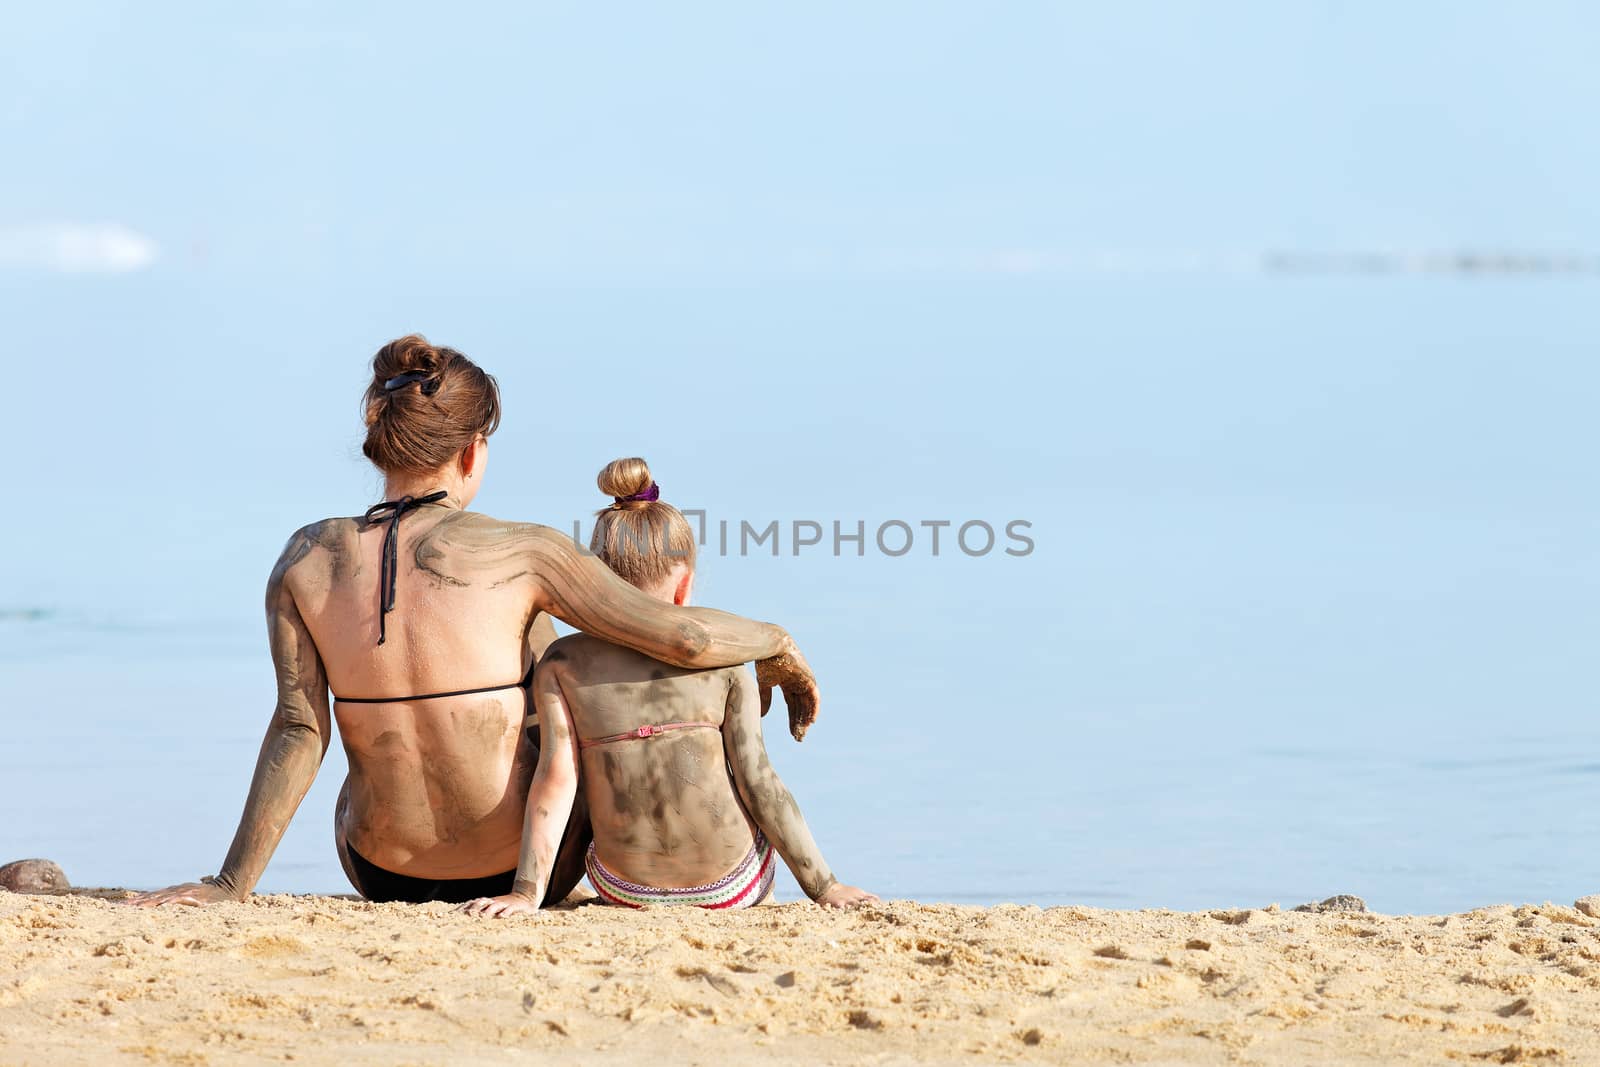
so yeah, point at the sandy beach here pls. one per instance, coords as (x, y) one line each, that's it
(324, 980)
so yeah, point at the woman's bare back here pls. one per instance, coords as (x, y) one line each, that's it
(436, 786)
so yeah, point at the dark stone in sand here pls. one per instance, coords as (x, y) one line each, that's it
(33, 876)
(1342, 902)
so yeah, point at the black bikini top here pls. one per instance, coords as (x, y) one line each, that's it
(393, 511)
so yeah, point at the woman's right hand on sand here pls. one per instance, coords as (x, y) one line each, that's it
(501, 907)
(789, 671)
(192, 894)
(839, 895)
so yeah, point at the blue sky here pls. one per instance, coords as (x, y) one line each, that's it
(916, 261)
(722, 141)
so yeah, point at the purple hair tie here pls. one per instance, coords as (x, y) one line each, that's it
(653, 492)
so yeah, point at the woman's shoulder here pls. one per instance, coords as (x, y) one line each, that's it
(486, 528)
(327, 531)
(327, 540)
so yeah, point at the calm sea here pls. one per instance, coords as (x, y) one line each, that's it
(1312, 606)
(128, 750)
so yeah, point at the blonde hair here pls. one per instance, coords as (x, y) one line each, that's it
(639, 539)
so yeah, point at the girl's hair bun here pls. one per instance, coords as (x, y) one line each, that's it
(639, 539)
(624, 478)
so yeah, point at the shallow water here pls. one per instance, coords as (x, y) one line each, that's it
(1312, 609)
(142, 787)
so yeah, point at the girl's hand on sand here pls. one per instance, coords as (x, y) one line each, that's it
(839, 895)
(789, 671)
(193, 894)
(501, 907)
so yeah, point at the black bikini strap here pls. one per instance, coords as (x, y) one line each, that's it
(390, 567)
(526, 680)
(434, 696)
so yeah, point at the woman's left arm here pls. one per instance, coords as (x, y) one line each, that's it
(550, 800)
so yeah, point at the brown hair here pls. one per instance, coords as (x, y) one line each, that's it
(417, 426)
(639, 539)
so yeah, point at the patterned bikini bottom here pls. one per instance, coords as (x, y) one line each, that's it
(747, 884)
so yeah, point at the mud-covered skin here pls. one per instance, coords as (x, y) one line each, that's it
(552, 799)
(296, 739)
(665, 810)
(436, 788)
(771, 672)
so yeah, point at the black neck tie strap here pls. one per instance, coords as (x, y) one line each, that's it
(390, 512)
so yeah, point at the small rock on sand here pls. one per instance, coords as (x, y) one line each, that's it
(33, 876)
(1341, 902)
(1589, 905)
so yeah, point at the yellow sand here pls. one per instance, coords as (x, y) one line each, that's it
(323, 980)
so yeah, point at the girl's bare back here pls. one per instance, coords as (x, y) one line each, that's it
(664, 809)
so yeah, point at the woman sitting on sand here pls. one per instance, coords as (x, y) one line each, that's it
(426, 620)
(662, 751)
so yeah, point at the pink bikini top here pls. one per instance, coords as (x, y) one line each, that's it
(646, 731)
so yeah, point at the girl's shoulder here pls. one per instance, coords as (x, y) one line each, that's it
(585, 658)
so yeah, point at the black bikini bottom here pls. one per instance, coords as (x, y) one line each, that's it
(381, 886)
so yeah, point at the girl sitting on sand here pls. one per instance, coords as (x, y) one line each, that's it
(657, 745)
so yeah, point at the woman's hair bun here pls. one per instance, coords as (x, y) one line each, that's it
(625, 477)
(411, 354)
(442, 402)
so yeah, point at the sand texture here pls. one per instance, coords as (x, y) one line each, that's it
(325, 980)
